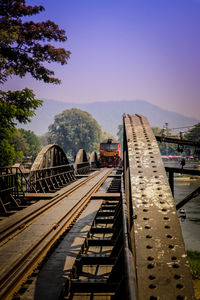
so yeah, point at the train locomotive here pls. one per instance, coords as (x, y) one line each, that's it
(110, 153)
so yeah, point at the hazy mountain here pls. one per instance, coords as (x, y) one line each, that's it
(108, 114)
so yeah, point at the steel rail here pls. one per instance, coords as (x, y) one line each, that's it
(17, 273)
(18, 225)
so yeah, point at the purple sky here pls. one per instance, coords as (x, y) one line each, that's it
(125, 50)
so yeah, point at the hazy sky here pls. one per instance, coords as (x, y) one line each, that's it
(125, 50)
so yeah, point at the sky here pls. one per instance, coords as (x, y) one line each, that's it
(125, 50)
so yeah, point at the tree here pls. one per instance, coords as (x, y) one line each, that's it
(20, 145)
(75, 129)
(194, 133)
(17, 105)
(25, 45)
(157, 131)
(24, 48)
(33, 142)
(44, 139)
(105, 136)
(166, 148)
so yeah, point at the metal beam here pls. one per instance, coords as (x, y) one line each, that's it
(177, 141)
(183, 171)
(194, 194)
(162, 269)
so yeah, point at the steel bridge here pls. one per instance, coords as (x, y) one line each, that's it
(74, 231)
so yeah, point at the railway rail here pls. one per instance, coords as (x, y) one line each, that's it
(23, 252)
(14, 225)
(111, 234)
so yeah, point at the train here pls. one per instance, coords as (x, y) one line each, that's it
(110, 153)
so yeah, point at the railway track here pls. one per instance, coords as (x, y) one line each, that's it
(108, 236)
(82, 263)
(22, 252)
(15, 224)
(95, 272)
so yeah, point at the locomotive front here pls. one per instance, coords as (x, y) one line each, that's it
(109, 153)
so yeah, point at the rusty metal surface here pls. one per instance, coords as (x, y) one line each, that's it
(162, 268)
(25, 250)
(20, 219)
(50, 179)
(51, 279)
(50, 156)
(81, 164)
(98, 269)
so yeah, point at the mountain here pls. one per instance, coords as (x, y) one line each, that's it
(108, 114)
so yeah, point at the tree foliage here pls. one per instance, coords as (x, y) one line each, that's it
(44, 139)
(33, 142)
(17, 105)
(166, 148)
(75, 129)
(24, 45)
(14, 106)
(24, 48)
(157, 131)
(194, 133)
(20, 145)
(105, 136)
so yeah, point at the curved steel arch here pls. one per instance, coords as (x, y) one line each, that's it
(94, 161)
(50, 156)
(81, 157)
(81, 164)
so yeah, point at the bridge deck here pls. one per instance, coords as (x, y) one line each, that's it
(49, 283)
(40, 231)
(92, 236)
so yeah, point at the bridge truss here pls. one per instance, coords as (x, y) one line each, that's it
(131, 240)
(160, 263)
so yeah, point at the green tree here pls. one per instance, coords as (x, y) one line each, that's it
(25, 44)
(33, 142)
(194, 133)
(106, 136)
(44, 139)
(157, 131)
(14, 106)
(20, 145)
(166, 148)
(24, 48)
(75, 129)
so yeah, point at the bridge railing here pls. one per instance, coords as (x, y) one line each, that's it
(50, 179)
(82, 168)
(13, 183)
(13, 179)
